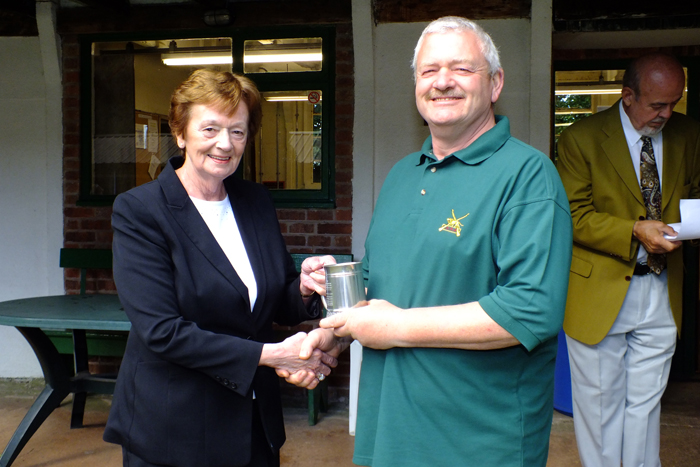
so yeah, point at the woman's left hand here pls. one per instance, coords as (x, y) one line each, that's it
(313, 276)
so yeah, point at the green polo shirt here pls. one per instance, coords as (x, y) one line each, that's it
(489, 223)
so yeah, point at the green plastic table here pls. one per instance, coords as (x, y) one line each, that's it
(78, 313)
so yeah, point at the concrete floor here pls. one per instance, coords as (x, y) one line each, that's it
(326, 444)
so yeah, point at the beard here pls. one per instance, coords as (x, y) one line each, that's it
(651, 131)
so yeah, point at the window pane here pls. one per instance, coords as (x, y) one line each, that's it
(282, 55)
(287, 154)
(132, 84)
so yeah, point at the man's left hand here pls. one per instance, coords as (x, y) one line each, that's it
(373, 324)
(651, 235)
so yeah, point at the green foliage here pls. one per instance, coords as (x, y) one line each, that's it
(571, 118)
(572, 101)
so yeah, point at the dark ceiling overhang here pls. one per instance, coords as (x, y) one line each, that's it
(18, 17)
(624, 15)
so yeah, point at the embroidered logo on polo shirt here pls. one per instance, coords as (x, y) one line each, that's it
(453, 224)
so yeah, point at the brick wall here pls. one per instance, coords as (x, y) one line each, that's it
(319, 231)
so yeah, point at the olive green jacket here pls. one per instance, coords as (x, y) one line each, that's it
(605, 199)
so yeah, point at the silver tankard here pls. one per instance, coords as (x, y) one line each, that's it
(345, 287)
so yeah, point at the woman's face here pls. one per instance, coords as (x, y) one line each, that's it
(213, 142)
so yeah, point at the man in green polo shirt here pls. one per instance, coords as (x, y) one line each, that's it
(466, 267)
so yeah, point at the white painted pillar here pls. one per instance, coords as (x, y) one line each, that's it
(541, 75)
(363, 161)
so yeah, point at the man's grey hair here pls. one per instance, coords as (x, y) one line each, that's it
(459, 24)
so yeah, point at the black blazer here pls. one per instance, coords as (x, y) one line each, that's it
(184, 395)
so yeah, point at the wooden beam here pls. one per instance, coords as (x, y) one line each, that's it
(606, 9)
(191, 16)
(118, 6)
(411, 11)
(211, 4)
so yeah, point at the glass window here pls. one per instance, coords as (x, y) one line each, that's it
(283, 55)
(287, 154)
(132, 83)
(126, 138)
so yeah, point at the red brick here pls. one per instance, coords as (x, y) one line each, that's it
(291, 214)
(317, 240)
(79, 237)
(295, 240)
(345, 68)
(70, 187)
(343, 214)
(343, 190)
(343, 202)
(320, 215)
(343, 176)
(104, 238)
(78, 212)
(302, 250)
(302, 228)
(335, 229)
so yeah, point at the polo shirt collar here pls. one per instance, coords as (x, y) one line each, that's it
(480, 150)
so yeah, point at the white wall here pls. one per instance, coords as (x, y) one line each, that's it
(31, 225)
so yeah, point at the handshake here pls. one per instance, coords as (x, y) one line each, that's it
(306, 359)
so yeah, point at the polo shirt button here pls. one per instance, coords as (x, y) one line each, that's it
(433, 169)
(628, 278)
(422, 192)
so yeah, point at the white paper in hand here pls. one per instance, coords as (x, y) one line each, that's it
(689, 227)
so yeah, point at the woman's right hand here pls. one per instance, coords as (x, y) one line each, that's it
(284, 358)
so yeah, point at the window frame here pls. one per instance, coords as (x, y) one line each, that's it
(323, 80)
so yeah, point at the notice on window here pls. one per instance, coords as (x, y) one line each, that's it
(141, 136)
(152, 135)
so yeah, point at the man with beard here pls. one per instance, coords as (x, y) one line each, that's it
(625, 171)
(465, 265)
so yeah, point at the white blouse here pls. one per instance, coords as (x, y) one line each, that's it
(219, 217)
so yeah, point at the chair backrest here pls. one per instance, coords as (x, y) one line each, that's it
(300, 257)
(84, 259)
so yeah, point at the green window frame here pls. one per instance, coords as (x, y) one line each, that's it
(322, 80)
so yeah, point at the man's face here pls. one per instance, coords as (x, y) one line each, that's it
(453, 88)
(659, 92)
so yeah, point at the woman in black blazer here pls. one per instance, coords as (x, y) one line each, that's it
(202, 272)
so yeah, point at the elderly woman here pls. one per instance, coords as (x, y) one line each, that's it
(202, 272)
